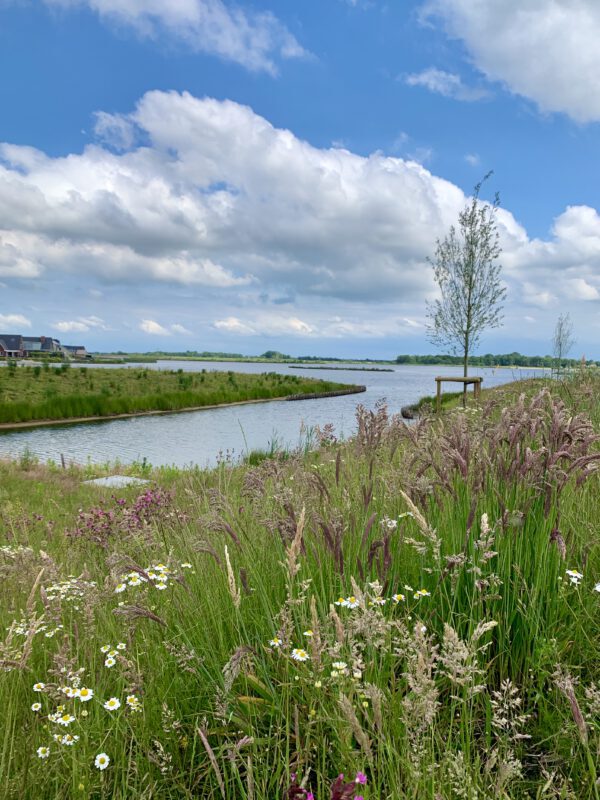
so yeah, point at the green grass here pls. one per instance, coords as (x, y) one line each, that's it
(485, 686)
(36, 393)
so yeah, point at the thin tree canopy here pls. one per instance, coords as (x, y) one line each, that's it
(467, 271)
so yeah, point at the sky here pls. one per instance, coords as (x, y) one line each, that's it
(210, 175)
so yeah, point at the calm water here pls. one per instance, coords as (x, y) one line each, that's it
(200, 437)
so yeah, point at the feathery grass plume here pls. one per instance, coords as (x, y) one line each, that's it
(420, 704)
(212, 758)
(592, 696)
(138, 612)
(459, 776)
(564, 682)
(458, 658)
(159, 756)
(376, 696)
(241, 658)
(294, 548)
(231, 584)
(29, 606)
(352, 720)
(205, 547)
(508, 723)
(249, 779)
(429, 534)
(340, 634)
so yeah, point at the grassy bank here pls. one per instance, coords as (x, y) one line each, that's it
(417, 609)
(35, 393)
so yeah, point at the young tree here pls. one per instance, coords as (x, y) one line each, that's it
(563, 341)
(467, 272)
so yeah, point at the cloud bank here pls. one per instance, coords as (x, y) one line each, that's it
(206, 197)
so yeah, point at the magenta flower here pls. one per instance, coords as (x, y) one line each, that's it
(360, 778)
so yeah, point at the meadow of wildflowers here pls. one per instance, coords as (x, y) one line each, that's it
(411, 614)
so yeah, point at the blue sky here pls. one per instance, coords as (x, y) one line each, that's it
(273, 175)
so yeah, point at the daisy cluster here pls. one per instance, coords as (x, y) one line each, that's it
(575, 577)
(111, 653)
(159, 576)
(64, 717)
(25, 627)
(377, 600)
(70, 590)
(15, 551)
(339, 669)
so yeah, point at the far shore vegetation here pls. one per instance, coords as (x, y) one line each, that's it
(513, 359)
(411, 613)
(57, 393)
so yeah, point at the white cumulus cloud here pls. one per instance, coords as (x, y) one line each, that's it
(447, 84)
(177, 328)
(13, 322)
(265, 325)
(153, 328)
(545, 50)
(254, 39)
(80, 325)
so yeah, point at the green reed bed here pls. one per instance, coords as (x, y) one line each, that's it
(37, 393)
(417, 610)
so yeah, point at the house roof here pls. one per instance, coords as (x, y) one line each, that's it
(11, 342)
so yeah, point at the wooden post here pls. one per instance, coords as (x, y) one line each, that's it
(477, 388)
(439, 395)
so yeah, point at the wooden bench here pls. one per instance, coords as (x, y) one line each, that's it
(465, 382)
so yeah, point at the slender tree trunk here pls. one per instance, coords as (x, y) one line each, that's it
(465, 369)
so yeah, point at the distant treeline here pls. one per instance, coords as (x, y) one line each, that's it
(494, 360)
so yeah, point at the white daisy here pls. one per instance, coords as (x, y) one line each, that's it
(574, 576)
(101, 761)
(43, 752)
(112, 704)
(298, 654)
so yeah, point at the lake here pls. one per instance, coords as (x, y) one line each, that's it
(205, 437)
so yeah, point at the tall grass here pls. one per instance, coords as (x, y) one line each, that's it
(405, 608)
(27, 395)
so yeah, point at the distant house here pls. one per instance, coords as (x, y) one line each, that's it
(35, 345)
(11, 346)
(17, 346)
(75, 350)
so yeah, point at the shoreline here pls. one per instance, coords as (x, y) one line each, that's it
(45, 423)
